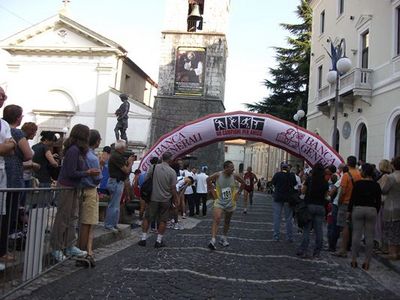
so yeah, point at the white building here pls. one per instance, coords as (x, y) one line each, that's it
(63, 73)
(264, 159)
(369, 107)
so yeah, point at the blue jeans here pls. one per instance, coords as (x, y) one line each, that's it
(333, 230)
(317, 217)
(277, 207)
(112, 214)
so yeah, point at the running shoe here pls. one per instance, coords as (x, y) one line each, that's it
(58, 255)
(112, 229)
(159, 244)
(211, 246)
(224, 242)
(142, 243)
(75, 251)
(178, 226)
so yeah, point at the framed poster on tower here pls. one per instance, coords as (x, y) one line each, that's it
(189, 71)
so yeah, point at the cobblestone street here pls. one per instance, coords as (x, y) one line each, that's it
(252, 267)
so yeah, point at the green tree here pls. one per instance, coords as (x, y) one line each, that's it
(289, 83)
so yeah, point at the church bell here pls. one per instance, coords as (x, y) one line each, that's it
(195, 14)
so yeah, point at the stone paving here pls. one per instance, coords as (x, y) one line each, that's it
(252, 267)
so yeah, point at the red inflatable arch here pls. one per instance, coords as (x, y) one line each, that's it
(244, 125)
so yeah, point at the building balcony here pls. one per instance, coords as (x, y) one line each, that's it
(357, 84)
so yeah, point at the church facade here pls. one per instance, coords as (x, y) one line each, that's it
(63, 73)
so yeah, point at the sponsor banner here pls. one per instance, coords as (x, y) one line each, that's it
(189, 71)
(248, 126)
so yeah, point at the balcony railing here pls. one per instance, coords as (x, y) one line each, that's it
(358, 82)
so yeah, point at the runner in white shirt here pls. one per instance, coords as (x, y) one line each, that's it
(201, 189)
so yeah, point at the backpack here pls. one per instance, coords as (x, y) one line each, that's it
(147, 187)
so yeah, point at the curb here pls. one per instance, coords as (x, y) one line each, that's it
(387, 263)
(102, 237)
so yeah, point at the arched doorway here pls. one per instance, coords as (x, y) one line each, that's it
(244, 125)
(362, 146)
(397, 139)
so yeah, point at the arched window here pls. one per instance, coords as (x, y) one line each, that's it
(397, 139)
(362, 149)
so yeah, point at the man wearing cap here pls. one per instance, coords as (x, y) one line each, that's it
(122, 118)
(284, 183)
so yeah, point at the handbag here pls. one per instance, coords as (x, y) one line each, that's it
(147, 187)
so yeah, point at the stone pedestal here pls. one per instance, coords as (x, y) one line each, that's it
(172, 112)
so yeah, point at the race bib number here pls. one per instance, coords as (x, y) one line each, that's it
(226, 195)
(247, 181)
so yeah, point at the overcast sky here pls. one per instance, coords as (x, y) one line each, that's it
(136, 25)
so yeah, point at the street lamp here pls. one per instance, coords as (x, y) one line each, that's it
(299, 115)
(340, 65)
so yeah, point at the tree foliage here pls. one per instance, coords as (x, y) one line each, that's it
(289, 83)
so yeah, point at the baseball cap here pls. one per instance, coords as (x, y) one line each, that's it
(284, 165)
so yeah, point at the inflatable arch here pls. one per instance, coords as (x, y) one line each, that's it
(244, 125)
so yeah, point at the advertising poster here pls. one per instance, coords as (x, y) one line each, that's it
(189, 71)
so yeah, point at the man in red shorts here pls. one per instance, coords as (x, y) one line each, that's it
(250, 179)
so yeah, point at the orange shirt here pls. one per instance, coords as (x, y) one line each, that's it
(347, 186)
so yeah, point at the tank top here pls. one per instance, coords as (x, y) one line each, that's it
(226, 191)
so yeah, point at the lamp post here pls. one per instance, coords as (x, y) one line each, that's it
(340, 65)
(299, 115)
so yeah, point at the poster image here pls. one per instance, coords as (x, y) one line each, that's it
(189, 71)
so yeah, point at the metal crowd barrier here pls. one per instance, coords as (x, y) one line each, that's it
(25, 234)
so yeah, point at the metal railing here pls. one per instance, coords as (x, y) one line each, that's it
(27, 217)
(357, 80)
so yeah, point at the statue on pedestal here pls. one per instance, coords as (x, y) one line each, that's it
(122, 118)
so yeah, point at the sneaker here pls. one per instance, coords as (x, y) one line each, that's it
(75, 251)
(170, 224)
(211, 246)
(178, 226)
(184, 216)
(58, 255)
(142, 243)
(159, 244)
(224, 242)
(153, 230)
(112, 229)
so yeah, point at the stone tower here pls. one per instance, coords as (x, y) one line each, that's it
(191, 81)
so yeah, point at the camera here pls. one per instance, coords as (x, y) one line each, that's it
(128, 154)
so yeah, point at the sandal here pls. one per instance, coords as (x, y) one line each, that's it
(7, 258)
(340, 254)
(91, 260)
(365, 266)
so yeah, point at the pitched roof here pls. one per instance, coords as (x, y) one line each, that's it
(19, 41)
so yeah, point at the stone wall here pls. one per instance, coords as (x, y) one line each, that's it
(216, 53)
(172, 112)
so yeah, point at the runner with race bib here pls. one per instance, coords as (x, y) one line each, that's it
(224, 190)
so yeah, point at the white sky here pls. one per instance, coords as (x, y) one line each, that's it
(136, 25)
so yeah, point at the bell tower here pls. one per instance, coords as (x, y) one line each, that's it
(191, 82)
